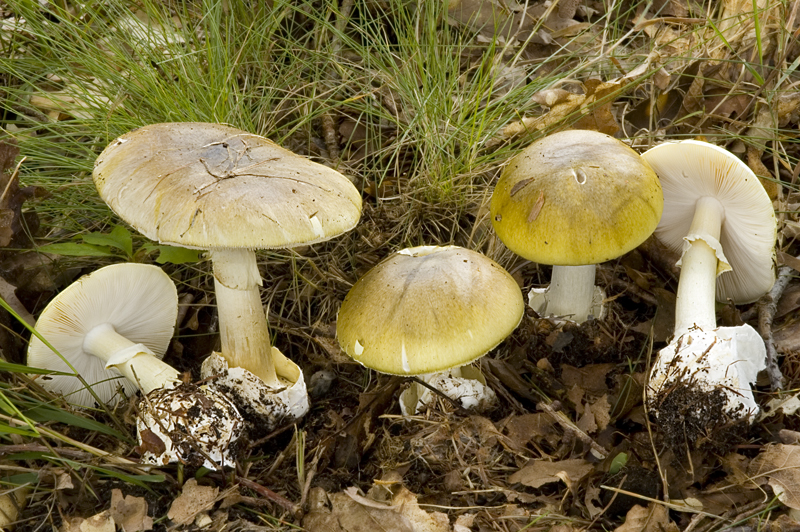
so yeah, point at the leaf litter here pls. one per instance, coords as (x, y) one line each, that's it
(571, 447)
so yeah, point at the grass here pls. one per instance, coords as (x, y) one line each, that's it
(411, 107)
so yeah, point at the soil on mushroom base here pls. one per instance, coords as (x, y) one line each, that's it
(696, 418)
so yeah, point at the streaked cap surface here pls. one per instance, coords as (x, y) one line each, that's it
(576, 197)
(427, 309)
(209, 186)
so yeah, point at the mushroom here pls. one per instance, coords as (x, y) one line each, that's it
(428, 310)
(210, 186)
(117, 321)
(574, 199)
(718, 215)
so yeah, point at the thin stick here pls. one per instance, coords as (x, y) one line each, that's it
(572, 428)
(767, 306)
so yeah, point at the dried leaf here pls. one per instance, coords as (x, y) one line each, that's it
(654, 518)
(591, 378)
(192, 500)
(780, 465)
(537, 473)
(350, 512)
(13, 223)
(129, 512)
(102, 522)
(7, 292)
(526, 427)
(601, 411)
(587, 421)
(592, 110)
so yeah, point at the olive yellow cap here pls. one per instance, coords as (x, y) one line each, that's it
(576, 197)
(427, 309)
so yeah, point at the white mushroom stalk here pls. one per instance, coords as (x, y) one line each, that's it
(120, 318)
(702, 261)
(244, 331)
(571, 294)
(429, 311)
(575, 199)
(719, 217)
(135, 361)
(117, 320)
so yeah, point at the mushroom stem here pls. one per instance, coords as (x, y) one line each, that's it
(135, 361)
(570, 292)
(243, 324)
(695, 303)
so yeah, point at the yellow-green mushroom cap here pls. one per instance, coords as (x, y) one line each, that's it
(574, 198)
(427, 309)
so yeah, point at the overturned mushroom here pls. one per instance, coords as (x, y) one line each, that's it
(209, 186)
(430, 311)
(718, 215)
(113, 322)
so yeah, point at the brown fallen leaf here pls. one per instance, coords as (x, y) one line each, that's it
(591, 110)
(654, 518)
(591, 378)
(8, 293)
(13, 224)
(351, 512)
(779, 464)
(524, 428)
(102, 522)
(192, 500)
(129, 512)
(537, 473)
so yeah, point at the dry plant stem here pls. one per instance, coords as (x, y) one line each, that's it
(244, 331)
(695, 302)
(767, 306)
(570, 292)
(573, 429)
(135, 361)
(267, 493)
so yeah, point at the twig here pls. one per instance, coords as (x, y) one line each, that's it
(767, 306)
(669, 505)
(267, 493)
(572, 428)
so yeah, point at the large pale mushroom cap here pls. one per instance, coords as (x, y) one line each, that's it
(141, 303)
(574, 198)
(211, 186)
(693, 169)
(427, 309)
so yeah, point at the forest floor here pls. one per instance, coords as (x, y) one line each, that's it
(421, 105)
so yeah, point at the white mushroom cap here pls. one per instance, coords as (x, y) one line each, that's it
(210, 186)
(427, 309)
(690, 170)
(140, 301)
